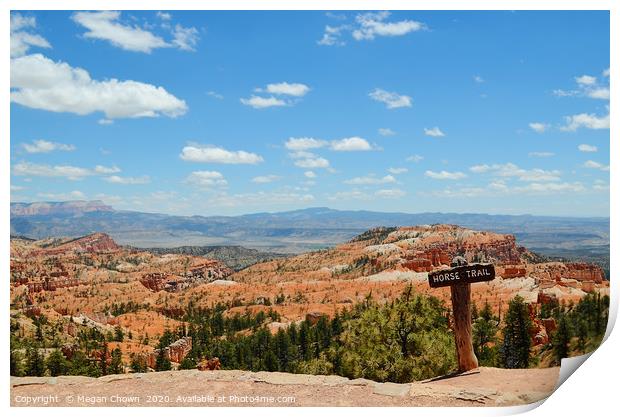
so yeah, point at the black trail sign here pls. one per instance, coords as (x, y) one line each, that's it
(461, 275)
(459, 280)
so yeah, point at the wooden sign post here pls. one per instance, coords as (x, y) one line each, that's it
(459, 280)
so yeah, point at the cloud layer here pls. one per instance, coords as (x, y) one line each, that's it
(40, 83)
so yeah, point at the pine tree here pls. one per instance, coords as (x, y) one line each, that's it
(16, 364)
(484, 333)
(35, 365)
(188, 362)
(116, 364)
(304, 340)
(103, 359)
(57, 364)
(561, 340)
(474, 310)
(118, 334)
(162, 363)
(138, 364)
(515, 350)
(282, 345)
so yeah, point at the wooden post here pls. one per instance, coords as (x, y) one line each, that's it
(461, 308)
(459, 278)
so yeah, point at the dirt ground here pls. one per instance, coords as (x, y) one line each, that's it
(480, 387)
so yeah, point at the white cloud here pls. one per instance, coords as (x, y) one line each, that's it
(213, 154)
(21, 39)
(309, 174)
(100, 169)
(397, 171)
(302, 155)
(303, 144)
(478, 169)
(289, 89)
(215, 94)
(585, 80)
(390, 193)
(478, 79)
(434, 132)
(17, 188)
(371, 25)
(585, 120)
(606, 73)
(40, 83)
(415, 158)
(297, 90)
(541, 154)
(550, 187)
(104, 25)
(588, 86)
(184, 38)
(499, 187)
(164, 15)
(44, 146)
(445, 175)
(332, 36)
(105, 122)
(390, 99)
(601, 93)
(595, 165)
(67, 171)
(371, 180)
(565, 93)
(265, 179)
(350, 144)
(386, 131)
(349, 195)
(462, 192)
(259, 199)
(536, 174)
(512, 170)
(587, 148)
(312, 162)
(207, 179)
(263, 102)
(538, 127)
(115, 179)
(72, 195)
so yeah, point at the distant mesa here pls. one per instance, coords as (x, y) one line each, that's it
(58, 208)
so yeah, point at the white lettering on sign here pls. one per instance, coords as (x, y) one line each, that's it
(448, 276)
(462, 274)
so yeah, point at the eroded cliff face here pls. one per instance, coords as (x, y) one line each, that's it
(93, 276)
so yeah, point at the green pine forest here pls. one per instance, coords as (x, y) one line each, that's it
(404, 340)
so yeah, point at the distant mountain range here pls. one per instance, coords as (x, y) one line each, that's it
(295, 231)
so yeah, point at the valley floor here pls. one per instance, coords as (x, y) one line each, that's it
(480, 387)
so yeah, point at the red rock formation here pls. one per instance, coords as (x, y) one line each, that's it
(212, 364)
(94, 243)
(550, 325)
(175, 352)
(511, 271)
(556, 271)
(545, 298)
(314, 317)
(538, 333)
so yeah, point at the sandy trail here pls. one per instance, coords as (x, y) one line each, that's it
(481, 387)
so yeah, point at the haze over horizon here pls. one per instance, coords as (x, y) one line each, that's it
(228, 113)
(305, 209)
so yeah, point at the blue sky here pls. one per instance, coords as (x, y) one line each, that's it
(238, 112)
